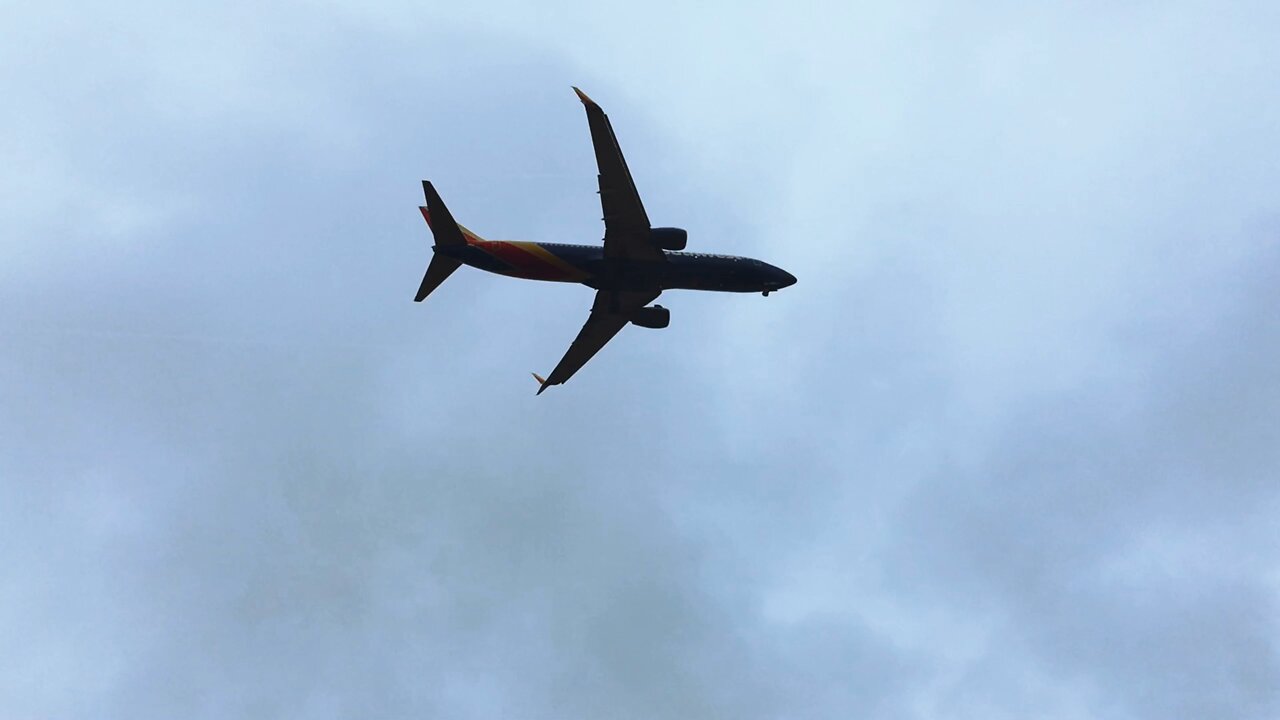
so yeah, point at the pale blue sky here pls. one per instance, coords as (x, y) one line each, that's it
(1008, 449)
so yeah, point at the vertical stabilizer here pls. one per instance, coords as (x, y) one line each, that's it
(440, 220)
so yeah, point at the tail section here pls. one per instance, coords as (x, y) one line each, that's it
(447, 233)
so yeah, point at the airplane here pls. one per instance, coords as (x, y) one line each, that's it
(634, 266)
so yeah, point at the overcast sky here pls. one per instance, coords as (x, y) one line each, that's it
(1010, 448)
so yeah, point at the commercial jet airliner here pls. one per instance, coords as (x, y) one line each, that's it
(634, 265)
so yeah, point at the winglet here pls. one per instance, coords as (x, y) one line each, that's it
(585, 100)
(541, 381)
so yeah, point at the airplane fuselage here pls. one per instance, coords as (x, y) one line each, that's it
(587, 264)
(636, 263)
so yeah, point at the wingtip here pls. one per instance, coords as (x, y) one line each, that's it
(542, 382)
(583, 97)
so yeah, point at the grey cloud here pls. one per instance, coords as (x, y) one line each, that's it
(1122, 533)
(242, 473)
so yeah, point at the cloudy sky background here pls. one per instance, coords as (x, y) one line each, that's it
(1010, 447)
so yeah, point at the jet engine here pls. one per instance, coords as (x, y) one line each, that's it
(654, 317)
(669, 238)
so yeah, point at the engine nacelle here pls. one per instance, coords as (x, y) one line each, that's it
(654, 318)
(669, 238)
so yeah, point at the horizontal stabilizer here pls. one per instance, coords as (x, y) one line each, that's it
(441, 267)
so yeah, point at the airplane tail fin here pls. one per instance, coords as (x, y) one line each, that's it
(446, 230)
(447, 233)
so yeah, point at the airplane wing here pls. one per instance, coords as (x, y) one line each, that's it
(605, 322)
(626, 225)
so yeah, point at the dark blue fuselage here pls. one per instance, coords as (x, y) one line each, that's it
(588, 265)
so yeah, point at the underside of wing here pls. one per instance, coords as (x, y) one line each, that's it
(609, 314)
(626, 225)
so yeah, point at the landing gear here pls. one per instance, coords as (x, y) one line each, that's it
(766, 293)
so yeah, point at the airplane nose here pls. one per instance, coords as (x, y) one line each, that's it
(779, 278)
(776, 278)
